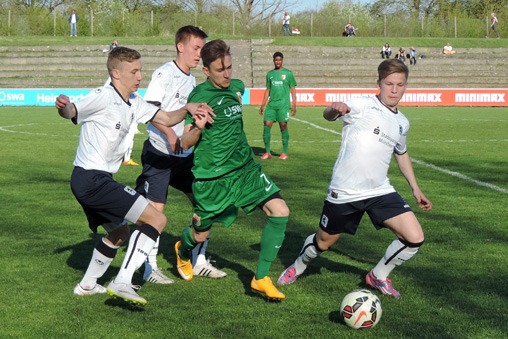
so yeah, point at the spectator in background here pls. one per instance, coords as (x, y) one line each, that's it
(285, 24)
(386, 52)
(412, 55)
(114, 44)
(73, 20)
(352, 30)
(401, 55)
(447, 49)
(493, 25)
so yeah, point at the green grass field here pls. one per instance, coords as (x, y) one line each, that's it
(453, 288)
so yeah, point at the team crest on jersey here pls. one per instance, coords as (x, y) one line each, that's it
(283, 76)
(159, 75)
(196, 220)
(129, 190)
(324, 221)
(98, 90)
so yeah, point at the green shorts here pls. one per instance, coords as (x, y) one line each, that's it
(218, 200)
(277, 114)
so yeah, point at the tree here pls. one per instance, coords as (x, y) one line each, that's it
(258, 10)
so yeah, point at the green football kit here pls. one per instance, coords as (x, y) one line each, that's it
(226, 175)
(279, 105)
(279, 83)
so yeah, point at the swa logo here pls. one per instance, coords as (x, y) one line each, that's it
(377, 130)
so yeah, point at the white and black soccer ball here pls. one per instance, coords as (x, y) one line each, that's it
(361, 309)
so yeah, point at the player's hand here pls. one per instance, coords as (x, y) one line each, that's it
(200, 121)
(202, 110)
(261, 110)
(422, 200)
(62, 101)
(341, 108)
(293, 111)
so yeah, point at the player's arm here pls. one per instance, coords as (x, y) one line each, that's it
(336, 110)
(292, 90)
(192, 132)
(406, 168)
(173, 139)
(265, 100)
(172, 118)
(65, 108)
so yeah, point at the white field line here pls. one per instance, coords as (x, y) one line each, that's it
(434, 167)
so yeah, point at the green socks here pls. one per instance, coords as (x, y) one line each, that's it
(285, 141)
(187, 244)
(267, 137)
(271, 241)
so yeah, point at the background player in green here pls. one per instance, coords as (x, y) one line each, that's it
(279, 83)
(227, 177)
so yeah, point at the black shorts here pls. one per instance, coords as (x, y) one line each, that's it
(161, 171)
(345, 218)
(104, 200)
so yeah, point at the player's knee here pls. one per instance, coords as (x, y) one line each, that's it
(199, 236)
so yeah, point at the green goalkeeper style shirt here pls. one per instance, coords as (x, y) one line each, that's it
(223, 145)
(280, 83)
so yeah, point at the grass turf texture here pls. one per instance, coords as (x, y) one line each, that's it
(395, 42)
(453, 288)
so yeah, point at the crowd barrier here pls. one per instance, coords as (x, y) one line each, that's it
(304, 96)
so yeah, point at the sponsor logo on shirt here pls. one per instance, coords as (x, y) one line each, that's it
(377, 130)
(233, 111)
(118, 125)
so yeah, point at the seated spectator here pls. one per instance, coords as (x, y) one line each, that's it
(401, 55)
(412, 55)
(386, 52)
(448, 49)
(114, 44)
(346, 30)
(352, 30)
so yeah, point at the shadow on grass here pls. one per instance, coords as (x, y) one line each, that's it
(116, 302)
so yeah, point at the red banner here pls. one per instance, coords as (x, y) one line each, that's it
(412, 97)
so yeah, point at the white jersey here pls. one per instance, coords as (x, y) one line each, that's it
(106, 120)
(170, 86)
(370, 134)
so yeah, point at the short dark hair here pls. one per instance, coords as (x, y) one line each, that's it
(213, 50)
(186, 32)
(278, 54)
(120, 54)
(391, 66)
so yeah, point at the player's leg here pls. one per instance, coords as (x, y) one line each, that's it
(271, 241)
(151, 223)
(153, 183)
(189, 239)
(102, 256)
(335, 220)
(269, 118)
(285, 139)
(400, 219)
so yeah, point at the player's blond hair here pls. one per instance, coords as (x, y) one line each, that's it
(119, 55)
(391, 66)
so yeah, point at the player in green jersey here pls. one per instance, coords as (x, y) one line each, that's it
(279, 83)
(227, 177)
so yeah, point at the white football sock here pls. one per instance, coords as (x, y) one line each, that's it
(151, 261)
(140, 244)
(103, 255)
(396, 254)
(308, 252)
(198, 253)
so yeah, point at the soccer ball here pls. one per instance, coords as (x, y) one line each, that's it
(361, 309)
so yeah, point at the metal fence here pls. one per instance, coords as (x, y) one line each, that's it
(124, 23)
